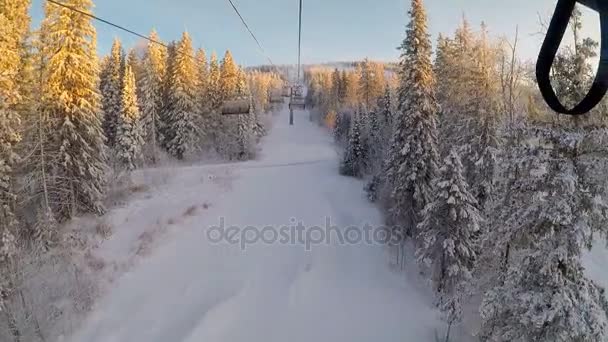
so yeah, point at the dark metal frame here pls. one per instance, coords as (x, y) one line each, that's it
(548, 52)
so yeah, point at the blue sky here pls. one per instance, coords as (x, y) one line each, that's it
(333, 30)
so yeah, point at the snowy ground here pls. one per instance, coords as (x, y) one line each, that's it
(191, 289)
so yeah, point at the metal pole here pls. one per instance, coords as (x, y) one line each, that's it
(299, 42)
(299, 63)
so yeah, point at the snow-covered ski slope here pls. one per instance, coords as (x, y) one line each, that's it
(194, 290)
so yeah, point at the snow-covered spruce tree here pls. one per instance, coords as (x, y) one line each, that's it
(375, 144)
(153, 72)
(385, 114)
(227, 132)
(353, 98)
(484, 145)
(454, 66)
(342, 128)
(70, 96)
(215, 82)
(14, 25)
(443, 70)
(353, 162)
(248, 127)
(245, 137)
(543, 294)
(229, 81)
(111, 91)
(364, 117)
(214, 95)
(385, 122)
(203, 106)
(133, 61)
(165, 134)
(257, 129)
(181, 117)
(129, 140)
(344, 86)
(468, 83)
(42, 146)
(371, 83)
(412, 162)
(447, 236)
(337, 89)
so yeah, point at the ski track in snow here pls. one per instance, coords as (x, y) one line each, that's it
(192, 290)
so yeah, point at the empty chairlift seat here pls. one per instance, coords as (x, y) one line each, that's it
(297, 102)
(239, 106)
(276, 96)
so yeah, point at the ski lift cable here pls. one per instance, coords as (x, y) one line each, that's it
(120, 27)
(92, 16)
(251, 32)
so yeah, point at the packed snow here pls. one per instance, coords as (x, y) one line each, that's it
(192, 289)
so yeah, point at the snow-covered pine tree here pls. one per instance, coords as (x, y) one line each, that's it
(375, 144)
(343, 86)
(337, 89)
(353, 162)
(26, 76)
(342, 128)
(544, 294)
(111, 91)
(151, 101)
(248, 127)
(181, 117)
(129, 140)
(371, 83)
(326, 98)
(134, 62)
(165, 133)
(70, 96)
(14, 25)
(41, 142)
(483, 146)
(468, 84)
(215, 82)
(243, 91)
(215, 103)
(442, 69)
(353, 98)
(228, 129)
(447, 233)
(412, 162)
(202, 98)
(385, 135)
(385, 113)
(229, 80)
(454, 65)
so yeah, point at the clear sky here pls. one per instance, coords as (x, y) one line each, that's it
(333, 30)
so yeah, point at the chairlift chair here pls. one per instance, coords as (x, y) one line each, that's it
(276, 96)
(297, 102)
(238, 106)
